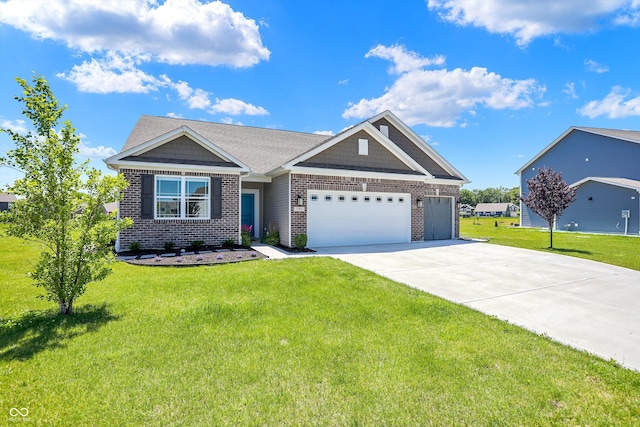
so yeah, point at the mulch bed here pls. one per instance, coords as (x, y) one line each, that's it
(215, 257)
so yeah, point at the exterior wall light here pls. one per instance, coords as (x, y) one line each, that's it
(419, 202)
(300, 200)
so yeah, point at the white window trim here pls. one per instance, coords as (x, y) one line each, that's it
(363, 147)
(183, 198)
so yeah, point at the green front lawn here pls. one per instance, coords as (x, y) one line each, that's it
(623, 251)
(310, 341)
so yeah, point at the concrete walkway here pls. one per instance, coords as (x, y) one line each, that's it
(588, 305)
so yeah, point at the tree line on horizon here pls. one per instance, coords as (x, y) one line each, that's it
(490, 195)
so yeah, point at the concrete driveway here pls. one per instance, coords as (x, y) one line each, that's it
(588, 305)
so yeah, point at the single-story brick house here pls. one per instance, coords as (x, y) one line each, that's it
(376, 182)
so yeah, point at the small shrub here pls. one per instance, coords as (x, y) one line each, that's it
(496, 223)
(273, 238)
(300, 241)
(246, 238)
(197, 244)
(135, 247)
(169, 245)
(228, 243)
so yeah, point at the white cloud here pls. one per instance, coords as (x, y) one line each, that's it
(235, 107)
(174, 115)
(527, 20)
(17, 126)
(595, 66)
(343, 82)
(114, 73)
(120, 74)
(99, 152)
(614, 106)
(570, 90)
(403, 60)
(324, 132)
(174, 31)
(440, 97)
(230, 121)
(195, 98)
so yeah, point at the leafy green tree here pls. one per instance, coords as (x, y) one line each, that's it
(60, 203)
(512, 196)
(549, 196)
(467, 197)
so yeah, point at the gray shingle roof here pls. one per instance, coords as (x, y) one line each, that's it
(618, 182)
(261, 149)
(629, 135)
(8, 197)
(493, 207)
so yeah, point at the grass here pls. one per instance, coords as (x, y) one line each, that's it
(623, 251)
(310, 341)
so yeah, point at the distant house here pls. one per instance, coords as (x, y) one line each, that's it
(466, 210)
(605, 166)
(496, 209)
(110, 207)
(6, 200)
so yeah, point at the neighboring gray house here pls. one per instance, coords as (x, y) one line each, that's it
(496, 209)
(605, 165)
(376, 182)
(6, 200)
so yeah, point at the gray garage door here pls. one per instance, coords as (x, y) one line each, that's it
(438, 218)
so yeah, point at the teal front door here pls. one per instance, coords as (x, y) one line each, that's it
(247, 212)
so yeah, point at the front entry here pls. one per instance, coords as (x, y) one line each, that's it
(438, 218)
(247, 214)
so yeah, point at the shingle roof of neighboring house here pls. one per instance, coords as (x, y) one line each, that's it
(625, 135)
(110, 207)
(275, 147)
(7, 197)
(629, 135)
(493, 207)
(618, 182)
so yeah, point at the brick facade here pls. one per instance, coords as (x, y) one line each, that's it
(153, 233)
(300, 183)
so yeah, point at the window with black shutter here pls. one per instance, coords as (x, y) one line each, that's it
(216, 198)
(146, 196)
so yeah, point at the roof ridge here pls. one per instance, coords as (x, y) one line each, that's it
(233, 125)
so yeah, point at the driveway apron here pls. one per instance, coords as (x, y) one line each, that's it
(588, 305)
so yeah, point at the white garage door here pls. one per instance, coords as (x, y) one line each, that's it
(357, 218)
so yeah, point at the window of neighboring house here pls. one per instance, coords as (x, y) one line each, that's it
(182, 197)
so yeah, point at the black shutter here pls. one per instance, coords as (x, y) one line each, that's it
(146, 196)
(216, 198)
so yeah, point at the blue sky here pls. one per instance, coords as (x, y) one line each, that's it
(488, 84)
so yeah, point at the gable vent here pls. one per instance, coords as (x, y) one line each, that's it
(363, 147)
(384, 130)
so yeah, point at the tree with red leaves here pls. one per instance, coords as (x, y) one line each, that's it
(549, 196)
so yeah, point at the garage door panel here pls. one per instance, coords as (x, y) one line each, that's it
(381, 219)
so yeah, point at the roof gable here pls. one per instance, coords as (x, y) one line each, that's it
(260, 149)
(385, 147)
(416, 147)
(622, 135)
(181, 146)
(345, 155)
